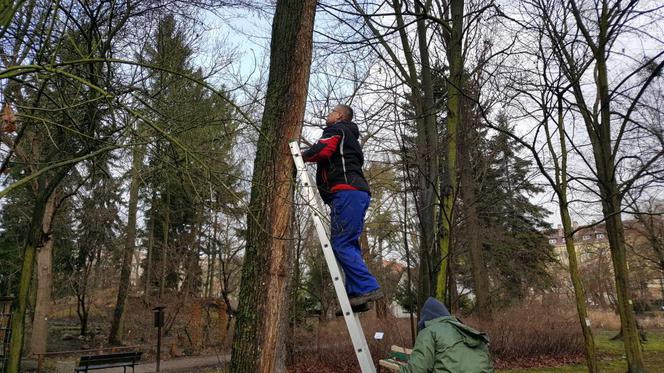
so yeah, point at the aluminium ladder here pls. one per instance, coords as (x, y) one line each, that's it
(352, 320)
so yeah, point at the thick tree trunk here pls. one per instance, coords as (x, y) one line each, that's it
(33, 243)
(615, 234)
(612, 208)
(455, 59)
(115, 335)
(293, 316)
(44, 283)
(262, 322)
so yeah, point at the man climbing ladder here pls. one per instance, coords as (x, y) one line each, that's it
(344, 189)
(352, 320)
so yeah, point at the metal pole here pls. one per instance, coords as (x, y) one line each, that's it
(158, 347)
(159, 323)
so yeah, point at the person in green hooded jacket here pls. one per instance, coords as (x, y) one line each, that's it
(444, 344)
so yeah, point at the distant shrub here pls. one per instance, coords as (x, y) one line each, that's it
(327, 346)
(521, 336)
(604, 319)
(525, 334)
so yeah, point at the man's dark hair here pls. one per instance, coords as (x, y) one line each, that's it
(347, 111)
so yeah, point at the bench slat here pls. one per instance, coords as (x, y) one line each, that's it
(103, 366)
(122, 355)
(109, 360)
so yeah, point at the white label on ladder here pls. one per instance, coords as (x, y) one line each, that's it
(352, 320)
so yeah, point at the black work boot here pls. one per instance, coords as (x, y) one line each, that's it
(364, 307)
(367, 297)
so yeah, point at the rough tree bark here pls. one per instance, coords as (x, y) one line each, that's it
(20, 304)
(35, 240)
(262, 322)
(44, 283)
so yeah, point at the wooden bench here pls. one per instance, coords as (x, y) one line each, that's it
(398, 357)
(123, 359)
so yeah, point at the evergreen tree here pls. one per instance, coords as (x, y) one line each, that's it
(179, 185)
(515, 247)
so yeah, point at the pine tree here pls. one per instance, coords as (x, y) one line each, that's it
(178, 184)
(515, 247)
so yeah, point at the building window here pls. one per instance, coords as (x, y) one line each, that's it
(553, 241)
(600, 236)
(586, 237)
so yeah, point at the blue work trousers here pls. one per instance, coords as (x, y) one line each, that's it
(347, 221)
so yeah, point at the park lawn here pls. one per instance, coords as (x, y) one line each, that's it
(611, 355)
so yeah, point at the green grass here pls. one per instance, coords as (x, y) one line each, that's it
(612, 355)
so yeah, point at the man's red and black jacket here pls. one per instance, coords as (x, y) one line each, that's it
(339, 159)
